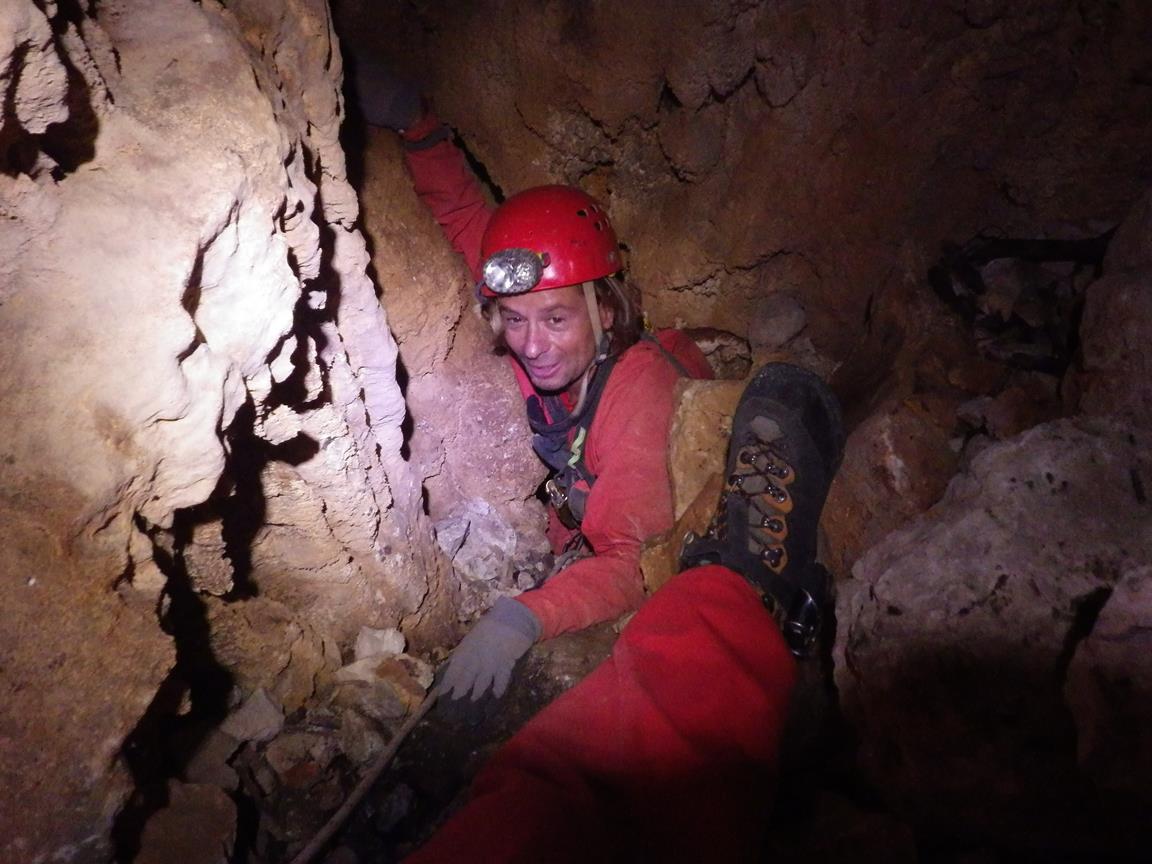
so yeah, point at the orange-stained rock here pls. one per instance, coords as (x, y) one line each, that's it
(698, 442)
(699, 436)
(896, 465)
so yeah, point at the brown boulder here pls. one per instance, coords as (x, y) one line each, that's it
(896, 465)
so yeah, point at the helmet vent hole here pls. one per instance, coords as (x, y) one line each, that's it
(599, 225)
(583, 214)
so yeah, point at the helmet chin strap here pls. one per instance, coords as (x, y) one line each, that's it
(598, 334)
(601, 339)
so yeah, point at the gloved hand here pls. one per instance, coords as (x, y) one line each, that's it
(486, 655)
(385, 99)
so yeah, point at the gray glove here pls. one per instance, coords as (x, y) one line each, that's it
(385, 99)
(486, 655)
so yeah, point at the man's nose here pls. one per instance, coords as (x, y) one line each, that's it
(536, 342)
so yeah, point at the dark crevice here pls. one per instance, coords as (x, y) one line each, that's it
(1087, 609)
(190, 299)
(1016, 337)
(668, 101)
(243, 508)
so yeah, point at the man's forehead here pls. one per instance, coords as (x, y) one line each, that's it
(569, 297)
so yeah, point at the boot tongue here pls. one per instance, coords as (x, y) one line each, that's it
(766, 429)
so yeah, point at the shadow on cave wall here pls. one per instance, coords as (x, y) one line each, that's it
(64, 146)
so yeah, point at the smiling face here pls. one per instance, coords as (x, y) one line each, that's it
(551, 335)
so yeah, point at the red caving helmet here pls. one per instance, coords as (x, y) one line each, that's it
(547, 237)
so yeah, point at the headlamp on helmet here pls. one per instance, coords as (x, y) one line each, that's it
(513, 271)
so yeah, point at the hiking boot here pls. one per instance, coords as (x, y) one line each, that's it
(786, 444)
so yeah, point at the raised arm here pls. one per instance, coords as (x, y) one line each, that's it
(440, 173)
(445, 183)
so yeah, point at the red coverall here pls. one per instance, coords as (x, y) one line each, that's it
(665, 751)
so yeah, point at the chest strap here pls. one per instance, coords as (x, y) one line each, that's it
(559, 438)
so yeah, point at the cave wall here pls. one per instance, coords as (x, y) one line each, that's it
(467, 431)
(823, 150)
(198, 389)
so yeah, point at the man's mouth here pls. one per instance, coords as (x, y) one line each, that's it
(543, 371)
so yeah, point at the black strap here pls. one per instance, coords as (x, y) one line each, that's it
(668, 355)
(440, 133)
(551, 424)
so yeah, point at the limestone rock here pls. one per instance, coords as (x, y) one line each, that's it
(726, 353)
(300, 758)
(378, 643)
(1115, 331)
(263, 644)
(360, 738)
(365, 687)
(37, 87)
(896, 465)
(397, 684)
(170, 180)
(209, 764)
(479, 541)
(730, 135)
(698, 441)
(259, 718)
(206, 559)
(952, 644)
(81, 664)
(1010, 411)
(469, 438)
(776, 322)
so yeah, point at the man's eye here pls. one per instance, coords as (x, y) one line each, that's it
(557, 320)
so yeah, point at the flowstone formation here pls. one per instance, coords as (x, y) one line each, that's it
(202, 422)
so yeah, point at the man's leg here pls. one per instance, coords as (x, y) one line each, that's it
(664, 753)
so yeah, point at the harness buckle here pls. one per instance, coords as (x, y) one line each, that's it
(558, 498)
(802, 625)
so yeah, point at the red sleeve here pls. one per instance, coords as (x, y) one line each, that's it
(447, 186)
(630, 501)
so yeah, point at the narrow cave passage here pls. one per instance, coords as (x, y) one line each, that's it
(264, 464)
